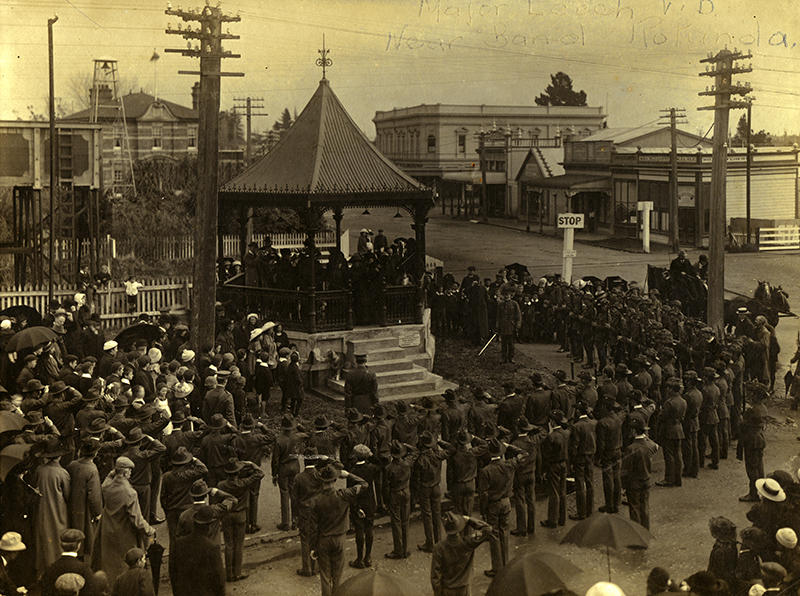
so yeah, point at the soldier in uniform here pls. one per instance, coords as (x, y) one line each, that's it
(709, 418)
(462, 459)
(609, 454)
(555, 451)
(672, 436)
(398, 474)
(451, 564)
(636, 465)
(495, 481)
(285, 467)
(306, 486)
(751, 447)
(510, 409)
(528, 442)
(362, 514)
(329, 519)
(428, 473)
(538, 406)
(691, 424)
(361, 387)
(509, 320)
(583, 446)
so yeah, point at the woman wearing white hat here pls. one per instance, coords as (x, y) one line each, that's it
(10, 546)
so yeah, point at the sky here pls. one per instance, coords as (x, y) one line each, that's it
(633, 57)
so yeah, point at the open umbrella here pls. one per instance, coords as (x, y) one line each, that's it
(11, 421)
(23, 312)
(12, 455)
(609, 530)
(519, 270)
(30, 337)
(145, 331)
(375, 583)
(155, 552)
(532, 573)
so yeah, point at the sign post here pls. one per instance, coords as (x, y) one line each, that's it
(645, 207)
(569, 222)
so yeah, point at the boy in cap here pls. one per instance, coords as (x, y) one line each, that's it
(136, 581)
(451, 564)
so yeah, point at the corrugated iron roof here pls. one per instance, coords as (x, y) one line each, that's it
(136, 105)
(623, 135)
(324, 151)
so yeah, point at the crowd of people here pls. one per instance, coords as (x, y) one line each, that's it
(105, 433)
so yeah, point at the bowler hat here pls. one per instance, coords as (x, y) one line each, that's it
(181, 456)
(32, 386)
(57, 387)
(53, 448)
(97, 426)
(135, 436)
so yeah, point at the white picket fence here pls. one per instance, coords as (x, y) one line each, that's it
(173, 293)
(785, 238)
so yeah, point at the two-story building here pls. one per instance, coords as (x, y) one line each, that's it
(438, 144)
(606, 175)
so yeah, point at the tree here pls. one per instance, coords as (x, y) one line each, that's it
(231, 130)
(560, 93)
(282, 125)
(761, 137)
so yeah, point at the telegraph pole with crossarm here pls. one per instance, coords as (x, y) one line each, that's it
(674, 238)
(723, 67)
(206, 238)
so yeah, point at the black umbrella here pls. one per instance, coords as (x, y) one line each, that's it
(532, 573)
(609, 530)
(30, 337)
(23, 312)
(375, 583)
(155, 552)
(518, 268)
(145, 331)
(10, 456)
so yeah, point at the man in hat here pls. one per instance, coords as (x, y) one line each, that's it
(122, 525)
(293, 384)
(357, 431)
(624, 388)
(555, 458)
(673, 412)
(362, 512)
(361, 387)
(182, 435)
(142, 449)
(481, 413)
(428, 473)
(608, 433)
(451, 564)
(11, 546)
(509, 321)
(691, 424)
(198, 564)
(52, 514)
(744, 325)
(215, 447)
(285, 467)
(27, 373)
(398, 476)
(585, 391)
(69, 372)
(380, 438)
(69, 562)
(135, 581)
(452, 417)
(306, 485)
(252, 444)
(85, 499)
(176, 487)
(106, 363)
(769, 514)
(91, 339)
(524, 498)
(709, 418)
(241, 477)
(462, 464)
(494, 487)
(217, 399)
(582, 450)
(751, 445)
(539, 404)
(511, 408)
(637, 462)
(219, 501)
(330, 509)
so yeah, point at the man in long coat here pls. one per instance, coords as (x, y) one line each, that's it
(122, 526)
(52, 516)
(361, 387)
(85, 497)
(509, 320)
(198, 563)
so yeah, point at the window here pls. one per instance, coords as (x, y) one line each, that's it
(158, 132)
(431, 144)
(462, 143)
(117, 176)
(192, 137)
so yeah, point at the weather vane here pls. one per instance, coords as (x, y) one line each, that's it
(323, 59)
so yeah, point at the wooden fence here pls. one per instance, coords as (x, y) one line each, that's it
(111, 304)
(785, 238)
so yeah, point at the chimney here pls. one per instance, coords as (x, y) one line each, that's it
(105, 96)
(196, 96)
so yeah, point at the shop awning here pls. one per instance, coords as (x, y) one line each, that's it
(571, 182)
(474, 177)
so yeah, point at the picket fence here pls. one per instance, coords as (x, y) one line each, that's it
(178, 248)
(173, 293)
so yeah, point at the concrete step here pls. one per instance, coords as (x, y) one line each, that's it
(422, 360)
(385, 354)
(395, 386)
(389, 377)
(387, 365)
(371, 345)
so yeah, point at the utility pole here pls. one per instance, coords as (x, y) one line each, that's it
(210, 52)
(674, 232)
(484, 196)
(53, 162)
(248, 104)
(749, 163)
(723, 68)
